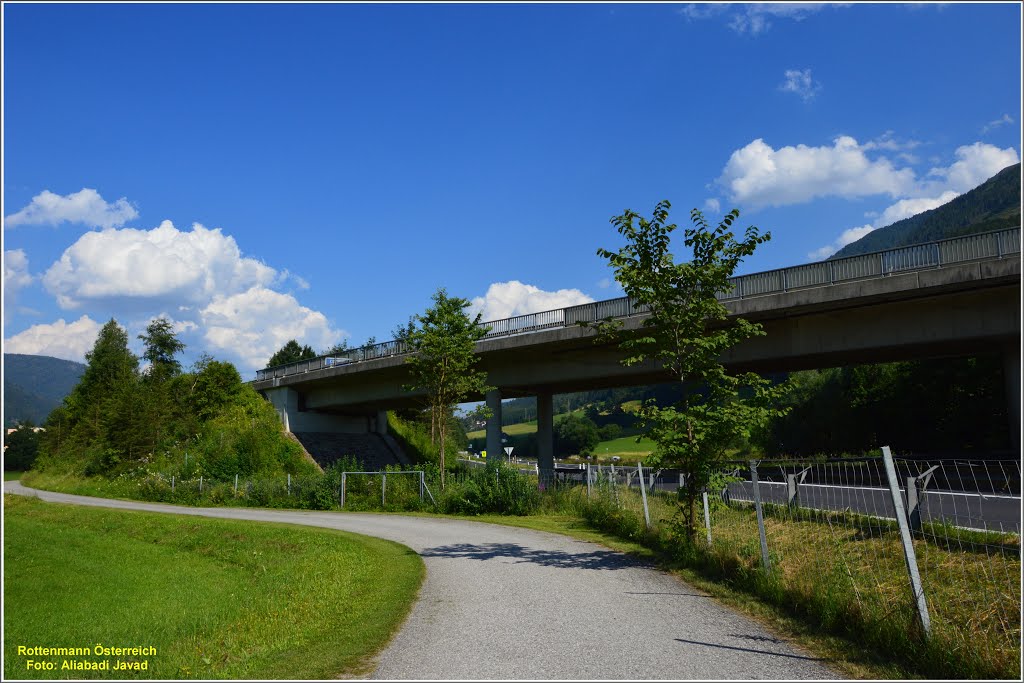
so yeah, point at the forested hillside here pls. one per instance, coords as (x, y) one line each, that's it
(993, 205)
(35, 385)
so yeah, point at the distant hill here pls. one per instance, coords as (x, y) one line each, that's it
(35, 385)
(993, 205)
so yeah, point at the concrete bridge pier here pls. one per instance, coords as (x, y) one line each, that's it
(545, 439)
(1011, 373)
(495, 449)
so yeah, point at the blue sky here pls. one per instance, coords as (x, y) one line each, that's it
(265, 172)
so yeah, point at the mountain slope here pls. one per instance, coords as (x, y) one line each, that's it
(993, 205)
(35, 385)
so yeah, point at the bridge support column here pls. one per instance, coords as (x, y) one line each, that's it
(1011, 373)
(495, 452)
(380, 425)
(545, 440)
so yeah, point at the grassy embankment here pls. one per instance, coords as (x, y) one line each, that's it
(216, 598)
(12, 475)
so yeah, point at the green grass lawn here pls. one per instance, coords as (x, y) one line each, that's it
(216, 598)
(624, 445)
(12, 475)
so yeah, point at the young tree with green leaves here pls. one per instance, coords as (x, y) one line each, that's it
(687, 331)
(443, 362)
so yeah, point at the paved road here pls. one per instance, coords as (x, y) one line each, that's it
(995, 512)
(506, 603)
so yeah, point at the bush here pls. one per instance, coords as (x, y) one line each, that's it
(498, 489)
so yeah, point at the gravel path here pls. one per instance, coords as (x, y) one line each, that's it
(507, 603)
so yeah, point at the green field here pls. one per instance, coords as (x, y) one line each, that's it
(215, 598)
(511, 430)
(623, 446)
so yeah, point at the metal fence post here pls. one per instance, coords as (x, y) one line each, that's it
(643, 494)
(707, 515)
(915, 492)
(383, 487)
(342, 495)
(421, 486)
(236, 483)
(792, 498)
(588, 480)
(200, 485)
(908, 543)
(289, 484)
(760, 518)
(172, 483)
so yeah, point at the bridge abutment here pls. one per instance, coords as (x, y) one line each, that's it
(287, 402)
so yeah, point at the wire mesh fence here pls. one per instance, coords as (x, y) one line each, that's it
(832, 539)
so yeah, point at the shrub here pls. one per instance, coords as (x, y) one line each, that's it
(499, 489)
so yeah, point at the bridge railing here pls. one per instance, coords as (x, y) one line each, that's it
(987, 245)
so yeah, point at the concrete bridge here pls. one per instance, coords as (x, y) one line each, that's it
(953, 297)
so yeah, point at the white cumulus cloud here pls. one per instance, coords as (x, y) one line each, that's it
(905, 208)
(509, 299)
(800, 83)
(163, 264)
(761, 175)
(974, 165)
(85, 206)
(847, 237)
(250, 326)
(16, 276)
(70, 341)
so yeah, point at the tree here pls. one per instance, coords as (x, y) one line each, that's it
(21, 447)
(575, 434)
(687, 331)
(289, 353)
(161, 346)
(111, 370)
(146, 417)
(443, 362)
(215, 387)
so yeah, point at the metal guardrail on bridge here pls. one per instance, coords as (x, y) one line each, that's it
(981, 246)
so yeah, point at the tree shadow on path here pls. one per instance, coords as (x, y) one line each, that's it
(598, 559)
